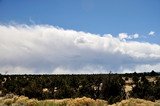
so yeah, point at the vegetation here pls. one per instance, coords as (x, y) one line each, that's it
(43, 87)
(136, 102)
(13, 100)
(146, 90)
(108, 87)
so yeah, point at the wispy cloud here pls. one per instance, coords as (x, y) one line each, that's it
(48, 49)
(151, 33)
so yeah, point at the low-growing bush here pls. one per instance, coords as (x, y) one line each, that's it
(84, 101)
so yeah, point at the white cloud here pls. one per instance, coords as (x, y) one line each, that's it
(151, 33)
(146, 67)
(84, 70)
(124, 36)
(15, 70)
(134, 36)
(48, 49)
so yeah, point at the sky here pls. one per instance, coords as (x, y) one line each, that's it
(79, 36)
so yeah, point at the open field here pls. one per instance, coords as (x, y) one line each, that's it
(84, 101)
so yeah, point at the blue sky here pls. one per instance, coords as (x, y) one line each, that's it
(94, 16)
(79, 36)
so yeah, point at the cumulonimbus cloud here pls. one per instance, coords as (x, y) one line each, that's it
(48, 49)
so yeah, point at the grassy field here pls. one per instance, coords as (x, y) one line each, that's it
(84, 101)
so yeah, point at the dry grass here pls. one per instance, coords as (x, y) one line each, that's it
(136, 102)
(25, 101)
(84, 101)
(128, 88)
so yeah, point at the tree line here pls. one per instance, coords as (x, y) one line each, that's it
(110, 87)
